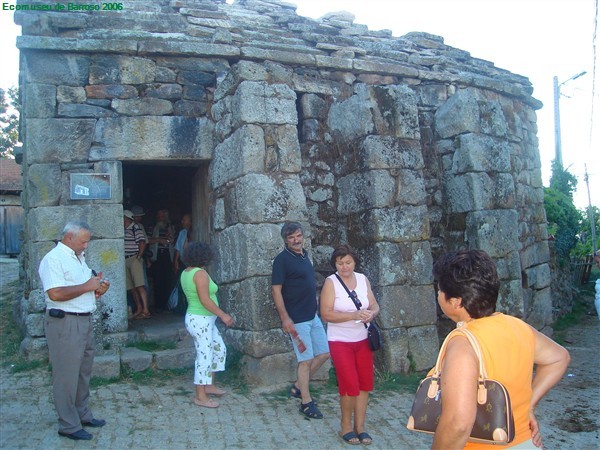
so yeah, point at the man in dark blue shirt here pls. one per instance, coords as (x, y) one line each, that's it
(294, 291)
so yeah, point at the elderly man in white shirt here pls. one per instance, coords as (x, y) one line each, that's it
(71, 289)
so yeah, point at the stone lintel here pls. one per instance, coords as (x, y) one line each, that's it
(188, 48)
(332, 62)
(278, 55)
(76, 45)
(388, 68)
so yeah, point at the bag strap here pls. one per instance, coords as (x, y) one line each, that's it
(349, 294)
(481, 390)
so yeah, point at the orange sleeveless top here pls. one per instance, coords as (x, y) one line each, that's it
(508, 348)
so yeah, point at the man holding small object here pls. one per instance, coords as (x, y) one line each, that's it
(71, 289)
(294, 291)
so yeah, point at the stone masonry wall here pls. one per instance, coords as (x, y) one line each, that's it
(402, 147)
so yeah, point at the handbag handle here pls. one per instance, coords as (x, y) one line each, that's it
(349, 294)
(481, 389)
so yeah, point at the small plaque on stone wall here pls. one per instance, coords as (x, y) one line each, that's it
(90, 186)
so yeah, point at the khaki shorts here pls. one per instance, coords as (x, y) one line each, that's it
(134, 272)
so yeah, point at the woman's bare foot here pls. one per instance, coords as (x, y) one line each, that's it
(214, 390)
(209, 403)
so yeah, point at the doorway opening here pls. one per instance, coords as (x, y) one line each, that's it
(178, 188)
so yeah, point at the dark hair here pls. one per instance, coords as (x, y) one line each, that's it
(344, 250)
(290, 228)
(472, 276)
(198, 254)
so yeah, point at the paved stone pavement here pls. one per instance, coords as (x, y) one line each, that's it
(162, 416)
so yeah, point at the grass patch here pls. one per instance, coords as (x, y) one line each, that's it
(146, 377)
(152, 376)
(21, 365)
(233, 376)
(386, 381)
(97, 382)
(152, 346)
(9, 331)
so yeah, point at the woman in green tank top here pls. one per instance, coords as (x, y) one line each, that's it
(200, 321)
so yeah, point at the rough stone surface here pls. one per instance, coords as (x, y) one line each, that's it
(41, 101)
(153, 137)
(71, 140)
(239, 154)
(106, 366)
(258, 315)
(175, 359)
(43, 183)
(259, 102)
(135, 360)
(257, 198)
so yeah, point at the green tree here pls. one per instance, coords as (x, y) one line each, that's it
(9, 121)
(562, 180)
(563, 217)
(585, 245)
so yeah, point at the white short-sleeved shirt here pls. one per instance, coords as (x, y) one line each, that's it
(60, 268)
(349, 331)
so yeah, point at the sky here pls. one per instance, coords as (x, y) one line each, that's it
(539, 39)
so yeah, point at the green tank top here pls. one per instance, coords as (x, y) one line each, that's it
(189, 289)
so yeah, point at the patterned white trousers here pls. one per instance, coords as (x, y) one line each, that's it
(210, 348)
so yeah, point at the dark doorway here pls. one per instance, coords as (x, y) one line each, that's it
(155, 187)
(179, 188)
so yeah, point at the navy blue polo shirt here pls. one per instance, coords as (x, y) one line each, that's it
(296, 276)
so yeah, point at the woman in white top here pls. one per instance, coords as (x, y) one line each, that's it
(348, 344)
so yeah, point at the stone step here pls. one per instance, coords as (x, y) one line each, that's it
(167, 328)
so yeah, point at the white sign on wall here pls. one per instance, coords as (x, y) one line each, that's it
(90, 186)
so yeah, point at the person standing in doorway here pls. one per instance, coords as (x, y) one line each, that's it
(183, 239)
(161, 269)
(138, 217)
(71, 290)
(135, 245)
(294, 291)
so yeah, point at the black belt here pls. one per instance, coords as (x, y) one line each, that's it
(77, 314)
(130, 256)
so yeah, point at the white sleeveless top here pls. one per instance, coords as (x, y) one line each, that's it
(349, 331)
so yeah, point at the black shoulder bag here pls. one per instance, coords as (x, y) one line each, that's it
(374, 335)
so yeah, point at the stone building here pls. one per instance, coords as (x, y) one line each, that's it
(250, 115)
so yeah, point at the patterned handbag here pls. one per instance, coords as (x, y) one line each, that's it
(494, 422)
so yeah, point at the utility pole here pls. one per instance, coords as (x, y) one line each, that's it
(557, 137)
(591, 211)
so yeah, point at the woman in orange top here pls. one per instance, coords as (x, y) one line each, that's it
(468, 287)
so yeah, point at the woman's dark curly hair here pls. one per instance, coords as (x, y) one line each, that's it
(198, 254)
(344, 250)
(472, 276)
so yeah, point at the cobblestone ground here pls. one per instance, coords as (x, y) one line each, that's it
(162, 416)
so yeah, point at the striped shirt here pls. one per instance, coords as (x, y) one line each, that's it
(134, 236)
(61, 267)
